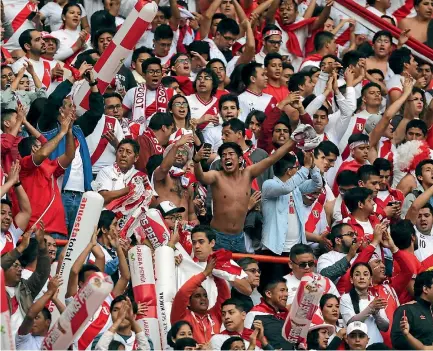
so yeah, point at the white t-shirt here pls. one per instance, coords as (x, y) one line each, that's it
(347, 311)
(394, 83)
(249, 101)
(29, 342)
(292, 284)
(292, 235)
(329, 259)
(383, 194)
(76, 176)
(53, 15)
(366, 226)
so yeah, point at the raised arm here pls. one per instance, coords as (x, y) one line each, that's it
(250, 45)
(66, 159)
(418, 203)
(46, 150)
(272, 10)
(206, 20)
(175, 15)
(125, 275)
(162, 171)
(206, 178)
(38, 306)
(324, 15)
(75, 269)
(22, 218)
(36, 80)
(258, 168)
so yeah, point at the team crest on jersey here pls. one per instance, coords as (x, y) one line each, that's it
(316, 213)
(105, 311)
(8, 237)
(360, 126)
(110, 126)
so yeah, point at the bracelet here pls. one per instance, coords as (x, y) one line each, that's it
(17, 185)
(92, 84)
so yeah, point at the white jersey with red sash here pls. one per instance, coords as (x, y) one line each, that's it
(68, 38)
(42, 69)
(356, 126)
(145, 102)
(385, 147)
(199, 108)
(139, 197)
(249, 101)
(102, 153)
(17, 13)
(316, 217)
(8, 240)
(387, 196)
(98, 324)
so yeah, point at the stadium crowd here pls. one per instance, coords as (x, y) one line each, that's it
(272, 127)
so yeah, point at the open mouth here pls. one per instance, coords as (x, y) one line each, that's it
(228, 164)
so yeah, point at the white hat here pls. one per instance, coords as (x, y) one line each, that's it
(357, 326)
(317, 322)
(371, 123)
(168, 208)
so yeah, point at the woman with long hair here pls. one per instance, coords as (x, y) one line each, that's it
(360, 305)
(72, 39)
(179, 330)
(330, 307)
(178, 107)
(51, 15)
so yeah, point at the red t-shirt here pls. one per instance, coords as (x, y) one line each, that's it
(278, 93)
(40, 184)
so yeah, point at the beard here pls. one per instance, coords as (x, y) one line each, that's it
(179, 164)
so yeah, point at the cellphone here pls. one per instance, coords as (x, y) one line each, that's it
(392, 203)
(87, 75)
(207, 146)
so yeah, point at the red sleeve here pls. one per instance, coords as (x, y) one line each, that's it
(145, 153)
(181, 299)
(7, 141)
(306, 119)
(265, 140)
(344, 285)
(185, 84)
(42, 139)
(407, 271)
(223, 294)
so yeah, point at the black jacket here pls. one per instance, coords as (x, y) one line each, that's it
(419, 315)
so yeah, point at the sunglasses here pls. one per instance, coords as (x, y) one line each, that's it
(253, 270)
(305, 265)
(351, 234)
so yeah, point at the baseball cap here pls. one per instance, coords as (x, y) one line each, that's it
(354, 326)
(317, 322)
(168, 208)
(371, 123)
(47, 35)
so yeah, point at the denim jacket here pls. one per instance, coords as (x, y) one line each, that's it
(275, 206)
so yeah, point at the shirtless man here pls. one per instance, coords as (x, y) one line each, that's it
(424, 11)
(169, 180)
(231, 189)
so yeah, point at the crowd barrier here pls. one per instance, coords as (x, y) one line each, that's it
(236, 256)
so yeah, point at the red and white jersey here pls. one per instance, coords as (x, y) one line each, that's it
(199, 108)
(16, 13)
(43, 71)
(249, 101)
(67, 40)
(148, 100)
(356, 126)
(102, 153)
(8, 240)
(425, 246)
(107, 255)
(99, 324)
(394, 83)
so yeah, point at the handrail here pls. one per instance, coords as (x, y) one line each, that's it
(375, 23)
(236, 256)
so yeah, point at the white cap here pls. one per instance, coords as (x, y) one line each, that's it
(168, 208)
(354, 326)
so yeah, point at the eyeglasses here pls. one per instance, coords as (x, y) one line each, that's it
(180, 104)
(183, 60)
(253, 270)
(275, 42)
(202, 78)
(6, 76)
(305, 265)
(351, 234)
(154, 72)
(113, 107)
(17, 266)
(182, 152)
(173, 217)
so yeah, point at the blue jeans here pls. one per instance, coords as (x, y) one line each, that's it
(71, 202)
(231, 242)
